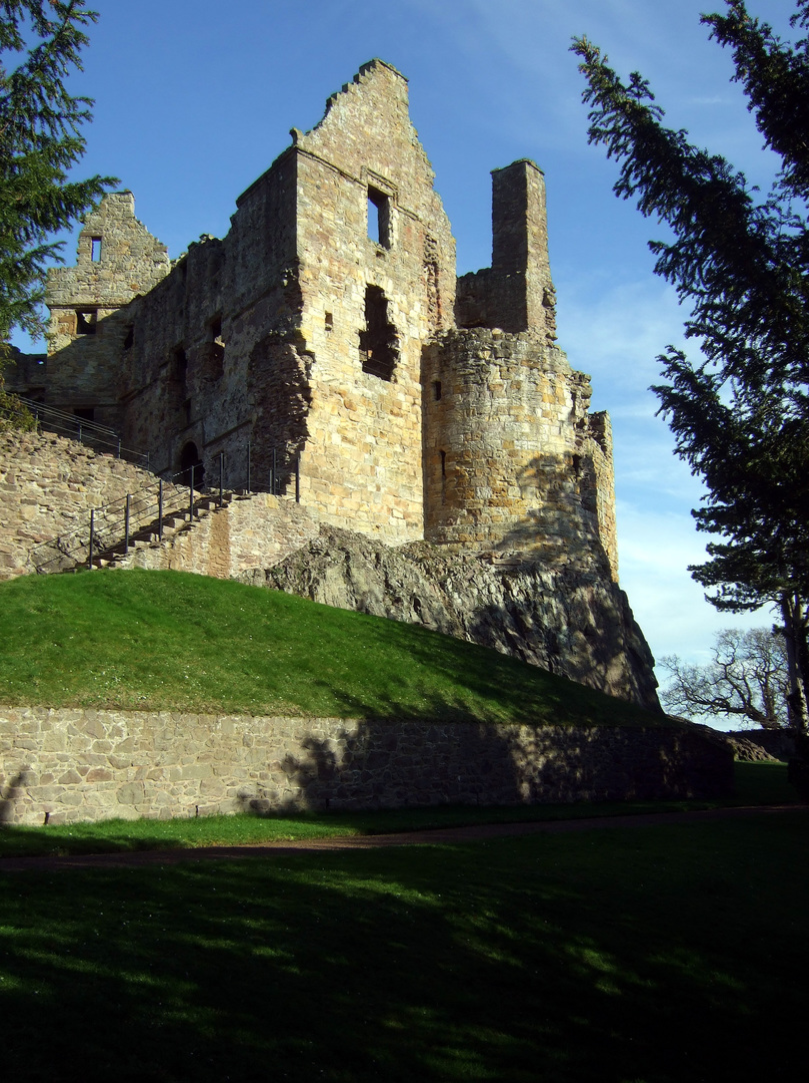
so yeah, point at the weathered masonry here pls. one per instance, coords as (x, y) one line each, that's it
(329, 326)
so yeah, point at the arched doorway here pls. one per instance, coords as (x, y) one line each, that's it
(190, 460)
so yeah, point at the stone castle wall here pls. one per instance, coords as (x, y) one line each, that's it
(509, 459)
(362, 464)
(78, 765)
(301, 334)
(116, 260)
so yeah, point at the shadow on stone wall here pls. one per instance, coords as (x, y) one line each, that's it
(9, 795)
(384, 765)
(561, 524)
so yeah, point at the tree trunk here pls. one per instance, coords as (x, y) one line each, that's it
(795, 617)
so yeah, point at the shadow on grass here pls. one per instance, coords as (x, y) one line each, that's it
(608, 957)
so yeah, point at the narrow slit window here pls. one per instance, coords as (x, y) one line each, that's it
(95, 249)
(379, 217)
(436, 390)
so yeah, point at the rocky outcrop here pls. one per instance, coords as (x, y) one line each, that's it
(577, 624)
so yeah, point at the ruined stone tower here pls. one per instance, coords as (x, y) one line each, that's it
(328, 328)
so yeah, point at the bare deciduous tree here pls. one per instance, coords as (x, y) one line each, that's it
(747, 678)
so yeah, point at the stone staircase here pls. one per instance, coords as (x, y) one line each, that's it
(176, 522)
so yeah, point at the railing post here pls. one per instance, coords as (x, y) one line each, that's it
(160, 508)
(298, 478)
(274, 471)
(90, 556)
(126, 526)
(119, 448)
(191, 496)
(248, 465)
(221, 476)
(79, 432)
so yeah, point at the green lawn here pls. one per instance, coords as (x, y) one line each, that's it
(168, 640)
(645, 955)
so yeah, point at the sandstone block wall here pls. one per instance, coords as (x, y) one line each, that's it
(251, 532)
(516, 293)
(509, 460)
(79, 765)
(371, 230)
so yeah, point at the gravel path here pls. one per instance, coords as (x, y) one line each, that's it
(441, 836)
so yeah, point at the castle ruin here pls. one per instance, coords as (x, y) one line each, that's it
(328, 330)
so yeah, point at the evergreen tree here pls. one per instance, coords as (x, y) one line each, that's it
(40, 43)
(740, 412)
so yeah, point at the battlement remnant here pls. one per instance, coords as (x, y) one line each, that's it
(328, 327)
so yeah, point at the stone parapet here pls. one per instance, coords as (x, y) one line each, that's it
(75, 765)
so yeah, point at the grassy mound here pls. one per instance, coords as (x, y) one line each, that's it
(173, 641)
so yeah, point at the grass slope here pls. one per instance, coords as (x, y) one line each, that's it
(640, 955)
(172, 641)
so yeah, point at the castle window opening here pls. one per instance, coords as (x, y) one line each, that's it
(213, 359)
(378, 340)
(86, 319)
(378, 217)
(179, 365)
(129, 337)
(443, 464)
(437, 390)
(95, 249)
(189, 459)
(329, 321)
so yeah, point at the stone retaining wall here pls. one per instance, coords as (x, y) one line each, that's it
(48, 485)
(81, 765)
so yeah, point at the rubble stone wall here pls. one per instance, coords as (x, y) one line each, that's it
(47, 487)
(509, 461)
(83, 765)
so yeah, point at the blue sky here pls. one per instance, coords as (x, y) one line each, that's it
(195, 98)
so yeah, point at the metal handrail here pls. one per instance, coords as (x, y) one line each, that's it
(112, 526)
(100, 437)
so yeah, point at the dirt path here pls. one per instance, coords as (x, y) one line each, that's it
(440, 836)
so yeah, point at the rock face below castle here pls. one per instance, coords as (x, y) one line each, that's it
(568, 621)
(325, 351)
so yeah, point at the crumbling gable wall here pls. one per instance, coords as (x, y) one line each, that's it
(377, 280)
(117, 259)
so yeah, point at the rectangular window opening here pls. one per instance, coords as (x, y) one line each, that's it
(379, 217)
(86, 319)
(95, 249)
(329, 321)
(436, 390)
(379, 349)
